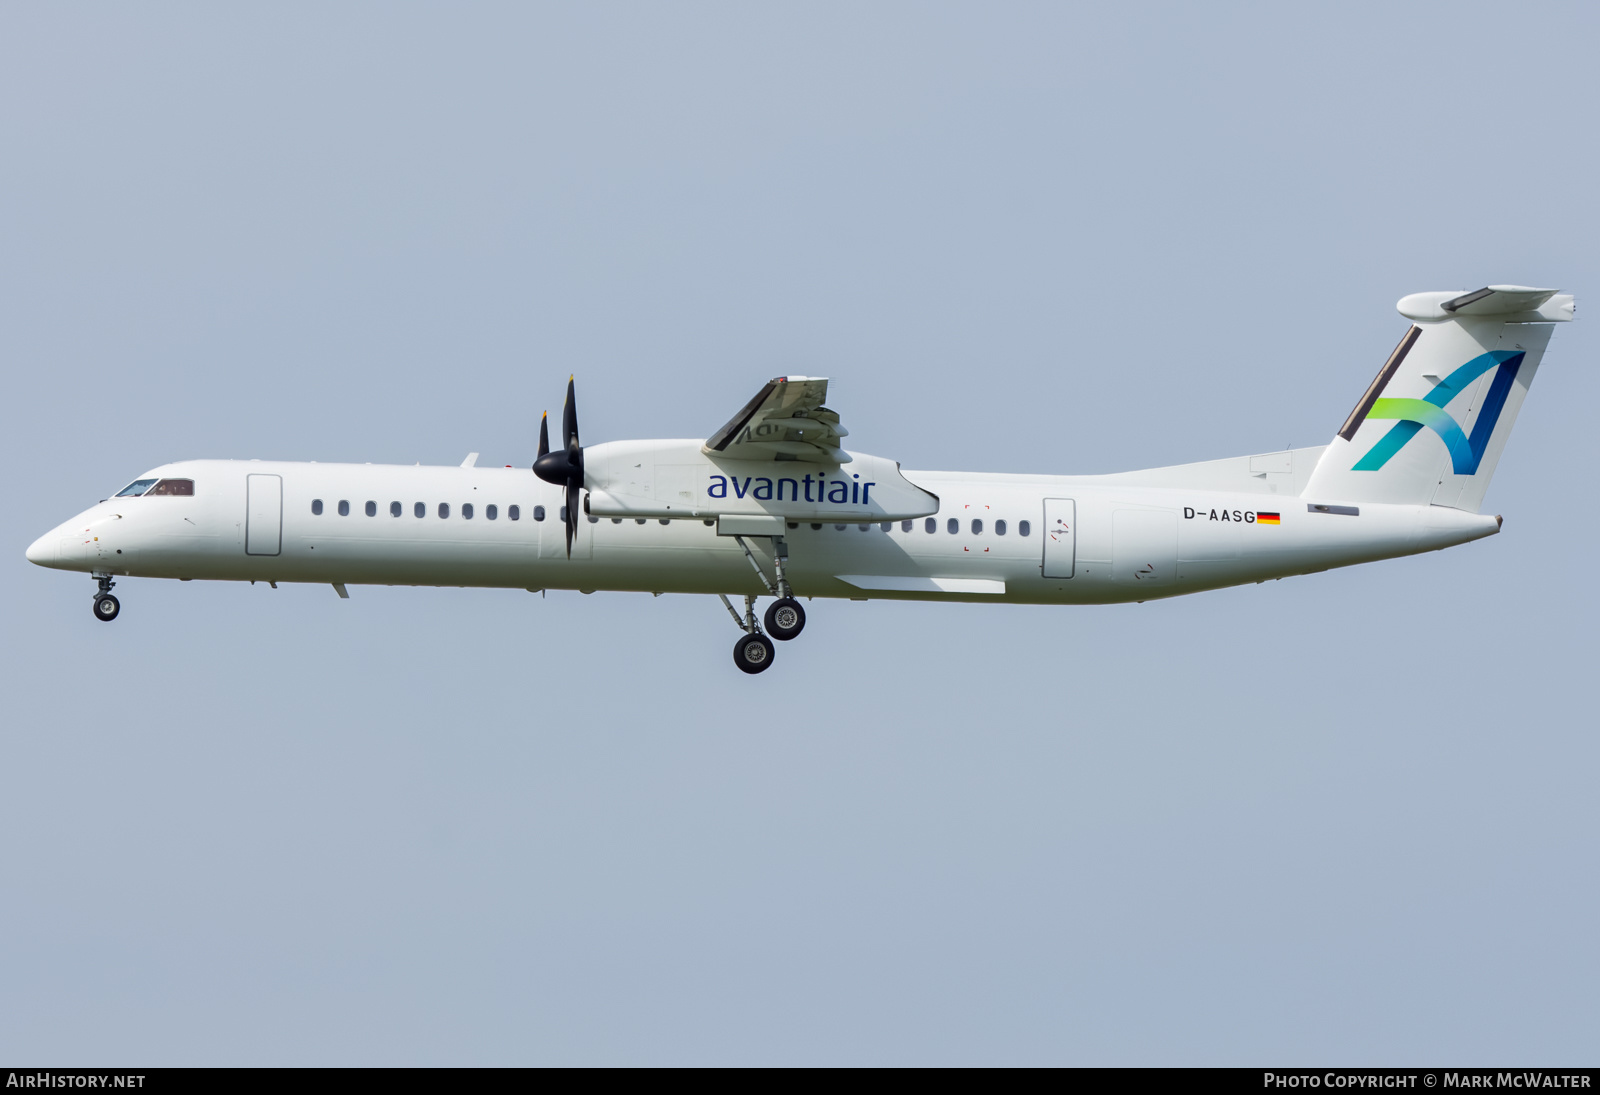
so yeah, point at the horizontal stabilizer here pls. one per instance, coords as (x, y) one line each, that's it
(1507, 303)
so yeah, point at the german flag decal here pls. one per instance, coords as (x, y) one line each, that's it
(1266, 518)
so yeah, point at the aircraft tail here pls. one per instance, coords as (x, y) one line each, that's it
(1430, 428)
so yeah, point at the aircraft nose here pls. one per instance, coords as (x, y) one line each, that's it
(43, 550)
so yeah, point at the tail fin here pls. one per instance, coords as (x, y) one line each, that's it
(1431, 427)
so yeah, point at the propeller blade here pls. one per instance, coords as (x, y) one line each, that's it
(572, 514)
(564, 467)
(569, 417)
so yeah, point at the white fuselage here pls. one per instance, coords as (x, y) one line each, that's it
(1066, 539)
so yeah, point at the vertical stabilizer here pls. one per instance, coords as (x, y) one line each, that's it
(1431, 427)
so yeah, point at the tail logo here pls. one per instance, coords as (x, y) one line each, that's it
(1412, 414)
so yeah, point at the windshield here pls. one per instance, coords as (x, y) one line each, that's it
(135, 488)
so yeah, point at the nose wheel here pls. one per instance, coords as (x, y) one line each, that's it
(106, 606)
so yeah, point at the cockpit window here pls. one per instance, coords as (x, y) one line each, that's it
(174, 486)
(135, 488)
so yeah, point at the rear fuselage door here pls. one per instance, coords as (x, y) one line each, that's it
(1060, 537)
(263, 518)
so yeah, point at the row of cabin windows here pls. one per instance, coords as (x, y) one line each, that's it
(931, 524)
(492, 512)
(420, 509)
(952, 526)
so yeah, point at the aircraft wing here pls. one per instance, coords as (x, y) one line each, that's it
(785, 421)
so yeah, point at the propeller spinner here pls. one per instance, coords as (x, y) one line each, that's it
(564, 467)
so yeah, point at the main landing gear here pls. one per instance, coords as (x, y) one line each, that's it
(106, 606)
(753, 652)
(784, 618)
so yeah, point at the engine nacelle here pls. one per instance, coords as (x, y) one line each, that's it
(676, 479)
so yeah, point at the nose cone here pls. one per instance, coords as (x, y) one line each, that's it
(43, 550)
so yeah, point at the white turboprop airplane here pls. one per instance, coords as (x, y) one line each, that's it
(773, 504)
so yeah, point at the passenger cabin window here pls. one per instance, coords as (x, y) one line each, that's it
(514, 512)
(952, 526)
(420, 509)
(905, 526)
(977, 526)
(1023, 528)
(538, 513)
(466, 511)
(184, 487)
(931, 524)
(1000, 527)
(344, 508)
(394, 509)
(316, 507)
(372, 509)
(444, 510)
(136, 488)
(491, 511)
(888, 526)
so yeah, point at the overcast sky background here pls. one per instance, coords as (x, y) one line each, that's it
(1342, 818)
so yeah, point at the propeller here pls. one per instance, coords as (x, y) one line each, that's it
(564, 467)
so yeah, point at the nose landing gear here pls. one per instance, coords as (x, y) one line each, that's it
(106, 606)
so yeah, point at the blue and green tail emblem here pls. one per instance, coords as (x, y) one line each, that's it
(1413, 414)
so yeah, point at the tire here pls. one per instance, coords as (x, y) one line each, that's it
(753, 653)
(785, 619)
(106, 607)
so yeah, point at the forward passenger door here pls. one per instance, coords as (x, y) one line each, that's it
(263, 525)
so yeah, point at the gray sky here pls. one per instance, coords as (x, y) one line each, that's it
(1348, 817)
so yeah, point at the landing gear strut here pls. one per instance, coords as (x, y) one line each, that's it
(106, 606)
(753, 652)
(784, 618)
